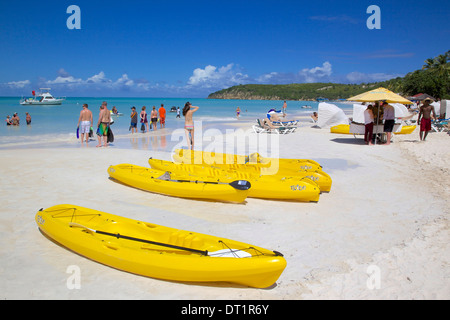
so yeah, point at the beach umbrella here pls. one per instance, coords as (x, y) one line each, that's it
(380, 94)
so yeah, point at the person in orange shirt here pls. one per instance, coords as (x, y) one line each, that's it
(162, 116)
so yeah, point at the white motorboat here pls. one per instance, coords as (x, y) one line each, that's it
(43, 98)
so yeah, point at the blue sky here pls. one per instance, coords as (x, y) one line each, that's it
(192, 48)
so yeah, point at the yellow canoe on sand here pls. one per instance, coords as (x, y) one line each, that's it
(156, 251)
(266, 187)
(178, 186)
(345, 129)
(267, 166)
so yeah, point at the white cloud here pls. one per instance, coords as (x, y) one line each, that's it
(124, 81)
(65, 80)
(213, 77)
(18, 84)
(317, 74)
(98, 78)
(359, 77)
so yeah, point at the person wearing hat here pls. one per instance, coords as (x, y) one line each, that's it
(424, 119)
(133, 125)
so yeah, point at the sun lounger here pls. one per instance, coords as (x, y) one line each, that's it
(262, 127)
(290, 123)
(440, 125)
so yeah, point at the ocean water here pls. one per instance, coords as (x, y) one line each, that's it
(56, 125)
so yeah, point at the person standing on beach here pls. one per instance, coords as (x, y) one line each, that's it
(86, 121)
(178, 112)
(154, 118)
(15, 120)
(104, 119)
(28, 118)
(238, 112)
(188, 112)
(133, 124)
(144, 120)
(389, 121)
(368, 121)
(284, 107)
(162, 116)
(424, 119)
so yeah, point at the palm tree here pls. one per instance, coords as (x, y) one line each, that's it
(429, 64)
(441, 64)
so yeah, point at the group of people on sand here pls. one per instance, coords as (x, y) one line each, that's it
(376, 113)
(144, 119)
(15, 120)
(188, 112)
(86, 121)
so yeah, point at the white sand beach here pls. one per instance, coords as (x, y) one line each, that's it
(388, 210)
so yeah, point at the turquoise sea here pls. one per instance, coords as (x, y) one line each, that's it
(56, 125)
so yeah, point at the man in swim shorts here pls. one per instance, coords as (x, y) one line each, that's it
(162, 116)
(425, 118)
(85, 122)
(133, 124)
(104, 119)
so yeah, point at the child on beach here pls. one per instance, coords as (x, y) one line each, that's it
(8, 122)
(188, 112)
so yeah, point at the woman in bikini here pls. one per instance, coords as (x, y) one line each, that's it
(143, 117)
(188, 111)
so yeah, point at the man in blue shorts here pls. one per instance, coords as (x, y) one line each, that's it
(133, 125)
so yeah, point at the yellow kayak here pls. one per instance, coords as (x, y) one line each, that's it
(345, 129)
(268, 165)
(342, 129)
(177, 186)
(159, 252)
(266, 187)
(406, 130)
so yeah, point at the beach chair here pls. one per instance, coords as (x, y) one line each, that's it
(290, 123)
(262, 127)
(440, 125)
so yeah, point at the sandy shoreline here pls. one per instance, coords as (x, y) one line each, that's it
(388, 208)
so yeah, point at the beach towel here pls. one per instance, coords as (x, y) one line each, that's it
(110, 136)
